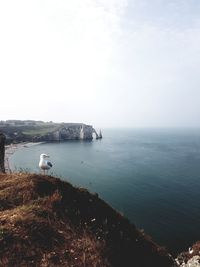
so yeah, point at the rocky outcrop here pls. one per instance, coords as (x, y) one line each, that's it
(2, 152)
(193, 262)
(190, 258)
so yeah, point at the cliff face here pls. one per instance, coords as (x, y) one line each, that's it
(47, 222)
(2, 152)
(72, 132)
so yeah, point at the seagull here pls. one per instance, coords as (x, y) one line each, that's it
(44, 164)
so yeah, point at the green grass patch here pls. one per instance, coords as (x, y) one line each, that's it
(41, 130)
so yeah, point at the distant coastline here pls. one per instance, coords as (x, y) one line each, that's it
(18, 131)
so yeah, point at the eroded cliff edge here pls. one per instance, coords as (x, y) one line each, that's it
(47, 222)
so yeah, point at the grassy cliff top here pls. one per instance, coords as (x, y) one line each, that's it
(47, 222)
(34, 127)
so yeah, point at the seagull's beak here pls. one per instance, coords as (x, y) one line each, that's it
(47, 156)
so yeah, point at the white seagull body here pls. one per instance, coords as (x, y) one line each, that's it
(44, 164)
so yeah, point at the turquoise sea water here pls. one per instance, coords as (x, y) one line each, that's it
(151, 176)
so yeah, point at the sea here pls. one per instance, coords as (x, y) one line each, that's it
(151, 176)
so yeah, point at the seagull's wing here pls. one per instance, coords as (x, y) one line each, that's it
(49, 164)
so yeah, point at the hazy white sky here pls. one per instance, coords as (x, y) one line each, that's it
(110, 63)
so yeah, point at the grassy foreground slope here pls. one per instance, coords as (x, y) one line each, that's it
(47, 222)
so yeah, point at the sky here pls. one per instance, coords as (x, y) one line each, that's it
(108, 63)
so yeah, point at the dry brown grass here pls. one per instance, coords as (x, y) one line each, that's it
(47, 222)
